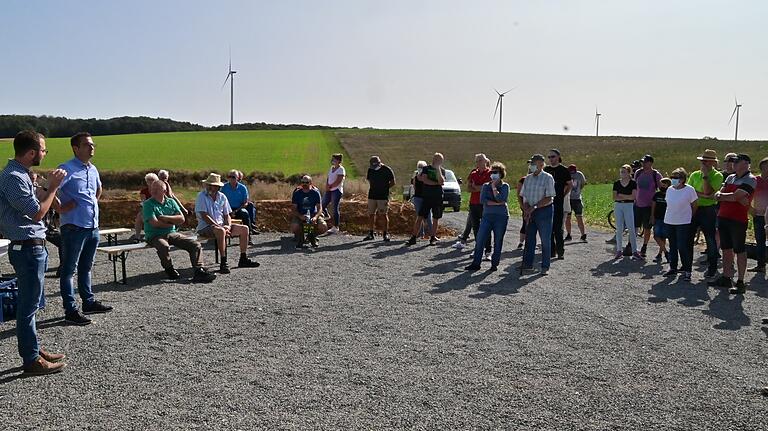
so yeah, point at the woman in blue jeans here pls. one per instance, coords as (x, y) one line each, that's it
(334, 190)
(493, 196)
(624, 193)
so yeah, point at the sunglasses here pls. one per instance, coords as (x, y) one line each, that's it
(305, 182)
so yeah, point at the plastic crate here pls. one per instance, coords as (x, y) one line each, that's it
(9, 293)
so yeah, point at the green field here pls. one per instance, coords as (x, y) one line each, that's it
(287, 151)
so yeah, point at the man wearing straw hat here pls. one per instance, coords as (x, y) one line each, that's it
(706, 181)
(213, 221)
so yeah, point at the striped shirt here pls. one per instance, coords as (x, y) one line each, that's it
(18, 204)
(537, 187)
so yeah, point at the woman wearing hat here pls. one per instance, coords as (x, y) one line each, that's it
(706, 181)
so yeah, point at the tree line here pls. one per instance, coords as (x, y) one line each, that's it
(59, 127)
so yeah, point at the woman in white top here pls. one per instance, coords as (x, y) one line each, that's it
(681, 205)
(334, 190)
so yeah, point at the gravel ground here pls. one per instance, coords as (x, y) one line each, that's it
(368, 335)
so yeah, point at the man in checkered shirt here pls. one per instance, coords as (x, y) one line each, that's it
(538, 192)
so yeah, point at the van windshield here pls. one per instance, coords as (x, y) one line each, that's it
(450, 177)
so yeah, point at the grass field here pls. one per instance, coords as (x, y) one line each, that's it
(287, 151)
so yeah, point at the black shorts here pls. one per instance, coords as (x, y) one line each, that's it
(577, 207)
(432, 204)
(643, 217)
(733, 235)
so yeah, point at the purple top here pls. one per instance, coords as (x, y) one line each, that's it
(647, 184)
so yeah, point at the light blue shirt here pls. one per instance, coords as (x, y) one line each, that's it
(238, 196)
(80, 185)
(18, 204)
(215, 209)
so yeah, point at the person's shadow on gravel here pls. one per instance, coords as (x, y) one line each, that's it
(460, 282)
(729, 309)
(41, 324)
(690, 295)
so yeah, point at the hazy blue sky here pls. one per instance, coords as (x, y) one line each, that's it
(661, 68)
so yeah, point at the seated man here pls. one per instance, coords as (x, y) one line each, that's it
(213, 221)
(238, 198)
(161, 216)
(307, 213)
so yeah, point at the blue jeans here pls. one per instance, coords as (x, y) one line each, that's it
(78, 248)
(759, 222)
(625, 219)
(706, 219)
(541, 223)
(426, 227)
(680, 244)
(30, 264)
(335, 197)
(490, 222)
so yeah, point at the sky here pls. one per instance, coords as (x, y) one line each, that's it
(652, 68)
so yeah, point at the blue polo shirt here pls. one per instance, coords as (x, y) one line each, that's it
(80, 185)
(237, 196)
(18, 204)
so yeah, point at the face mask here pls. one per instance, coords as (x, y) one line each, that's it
(675, 182)
(532, 168)
(495, 177)
(375, 166)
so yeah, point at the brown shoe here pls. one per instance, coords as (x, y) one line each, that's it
(42, 367)
(51, 357)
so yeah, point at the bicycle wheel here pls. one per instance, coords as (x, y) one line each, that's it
(611, 220)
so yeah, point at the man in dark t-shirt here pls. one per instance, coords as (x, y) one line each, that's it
(433, 177)
(381, 179)
(562, 189)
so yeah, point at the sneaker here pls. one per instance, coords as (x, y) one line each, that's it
(385, 237)
(472, 267)
(584, 237)
(224, 267)
(738, 289)
(96, 307)
(544, 271)
(459, 245)
(369, 237)
(721, 281)
(245, 262)
(520, 245)
(333, 230)
(657, 259)
(637, 256)
(686, 276)
(671, 273)
(568, 238)
(172, 273)
(42, 367)
(487, 256)
(433, 240)
(203, 276)
(757, 268)
(619, 256)
(77, 318)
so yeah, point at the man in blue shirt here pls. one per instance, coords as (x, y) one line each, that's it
(79, 195)
(306, 200)
(238, 197)
(21, 215)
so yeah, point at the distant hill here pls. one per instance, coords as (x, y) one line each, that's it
(60, 127)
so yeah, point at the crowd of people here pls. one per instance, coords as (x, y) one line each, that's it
(672, 210)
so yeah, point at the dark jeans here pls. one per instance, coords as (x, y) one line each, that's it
(759, 222)
(680, 244)
(475, 216)
(706, 219)
(30, 264)
(78, 249)
(558, 244)
(498, 224)
(247, 214)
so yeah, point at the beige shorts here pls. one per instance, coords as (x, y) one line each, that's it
(380, 206)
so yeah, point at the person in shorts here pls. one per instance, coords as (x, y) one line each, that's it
(433, 177)
(647, 180)
(658, 210)
(735, 198)
(381, 179)
(578, 182)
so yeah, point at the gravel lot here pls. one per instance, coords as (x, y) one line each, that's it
(359, 335)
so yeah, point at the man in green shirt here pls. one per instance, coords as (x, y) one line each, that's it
(161, 216)
(706, 182)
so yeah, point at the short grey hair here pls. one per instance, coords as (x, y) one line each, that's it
(163, 175)
(420, 164)
(151, 177)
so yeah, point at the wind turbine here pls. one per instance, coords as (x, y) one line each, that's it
(499, 105)
(231, 79)
(597, 122)
(736, 110)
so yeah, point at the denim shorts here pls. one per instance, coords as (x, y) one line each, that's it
(660, 229)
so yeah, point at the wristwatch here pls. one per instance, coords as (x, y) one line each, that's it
(535, 207)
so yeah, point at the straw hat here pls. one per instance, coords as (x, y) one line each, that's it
(213, 180)
(708, 155)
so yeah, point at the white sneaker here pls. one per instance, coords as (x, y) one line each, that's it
(487, 257)
(458, 245)
(333, 230)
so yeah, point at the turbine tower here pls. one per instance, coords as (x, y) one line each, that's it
(499, 105)
(231, 79)
(736, 110)
(597, 122)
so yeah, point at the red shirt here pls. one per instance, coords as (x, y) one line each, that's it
(478, 178)
(145, 194)
(735, 210)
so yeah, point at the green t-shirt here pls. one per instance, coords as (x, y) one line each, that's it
(696, 180)
(153, 209)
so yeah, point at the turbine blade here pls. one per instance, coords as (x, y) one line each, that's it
(732, 114)
(508, 91)
(495, 111)
(497, 91)
(225, 81)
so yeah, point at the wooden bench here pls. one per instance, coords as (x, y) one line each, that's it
(112, 233)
